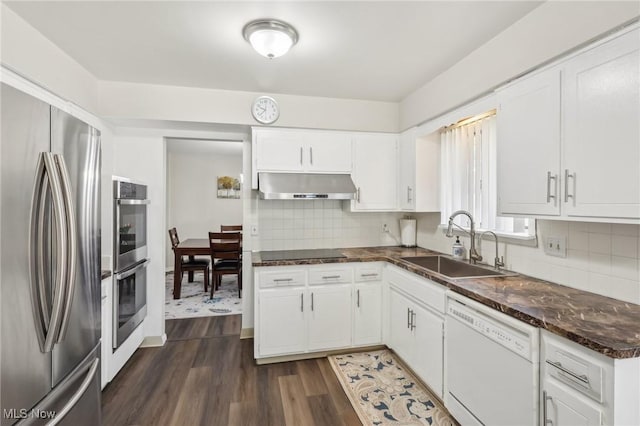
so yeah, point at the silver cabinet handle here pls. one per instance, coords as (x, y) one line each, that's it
(358, 298)
(583, 378)
(408, 318)
(369, 275)
(301, 302)
(312, 301)
(409, 189)
(129, 272)
(300, 155)
(545, 418)
(79, 393)
(358, 194)
(132, 202)
(277, 280)
(327, 277)
(72, 253)
(413, 320)
(551, 177)
(568, 175)
(311, 155)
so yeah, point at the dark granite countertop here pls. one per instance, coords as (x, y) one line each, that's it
(105, 274)
(603, 324)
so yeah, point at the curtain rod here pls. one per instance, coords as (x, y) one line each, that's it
(469, 120)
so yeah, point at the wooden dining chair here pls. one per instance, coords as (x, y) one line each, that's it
(231, 228)
(190, 265)
(226, 251)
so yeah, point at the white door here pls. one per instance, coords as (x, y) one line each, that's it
(602, 136)
(374, 172)
(329, 316)
(282, 321)
(407, 170)
(399, 318)
(563, 409)
(280, 151)
(367, 329)
(328, 152)
(427, 359)
(528, 146)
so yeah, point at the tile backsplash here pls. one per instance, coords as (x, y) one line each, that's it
(601, 258)
(310, 224)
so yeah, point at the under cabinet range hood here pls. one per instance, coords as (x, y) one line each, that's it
(305, 186)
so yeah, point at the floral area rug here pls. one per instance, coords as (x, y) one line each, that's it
(194, 302)
(383, 392)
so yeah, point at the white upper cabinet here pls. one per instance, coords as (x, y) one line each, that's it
(375, 168)
(293, 150)
(601, 107)
(528, 145)
(569, 140)
(419, 172)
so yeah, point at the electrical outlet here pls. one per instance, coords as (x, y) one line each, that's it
(555, 246)
(385, 227)
(254, 230)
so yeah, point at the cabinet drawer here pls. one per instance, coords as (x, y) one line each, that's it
(422, 289)
(281, 278)
(368, 273)
(330, 276)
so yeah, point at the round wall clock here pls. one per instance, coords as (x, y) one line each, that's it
(265, 110)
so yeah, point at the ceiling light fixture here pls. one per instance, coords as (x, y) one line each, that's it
(269, 37)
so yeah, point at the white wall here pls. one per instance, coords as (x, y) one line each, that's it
(547, 32)
(193, 207)
(601, 258)
(143, 159)
(148, 101)
(26, 51)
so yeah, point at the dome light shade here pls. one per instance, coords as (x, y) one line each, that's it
(269, 37)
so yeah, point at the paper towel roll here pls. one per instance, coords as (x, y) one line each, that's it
(408, 232)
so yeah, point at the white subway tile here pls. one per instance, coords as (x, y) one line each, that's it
(600, 228)
(578, 240)
(600, 263)
(578, 226)
(579, 279)
(625, 267)
(622, 245)
(623, 289)
(625, 229)
(599, 243)
(560, 274)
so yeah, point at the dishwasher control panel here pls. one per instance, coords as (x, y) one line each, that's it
(514, 340)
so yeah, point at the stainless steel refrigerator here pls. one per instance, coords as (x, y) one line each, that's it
(50, 268)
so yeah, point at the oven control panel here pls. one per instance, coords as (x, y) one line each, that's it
(501, 333)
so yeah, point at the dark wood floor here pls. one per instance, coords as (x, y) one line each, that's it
(206, 375)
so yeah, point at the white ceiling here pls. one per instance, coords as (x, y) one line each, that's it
(379, 50)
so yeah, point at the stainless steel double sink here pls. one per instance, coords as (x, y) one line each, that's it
(451, 268)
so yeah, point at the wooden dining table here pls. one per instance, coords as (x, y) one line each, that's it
(191, 247)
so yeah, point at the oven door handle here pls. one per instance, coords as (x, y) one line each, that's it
(129, 272)
(132, 202)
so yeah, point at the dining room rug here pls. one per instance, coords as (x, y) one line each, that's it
(383, 392)
(195, 302)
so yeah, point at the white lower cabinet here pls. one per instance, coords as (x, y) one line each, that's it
(282, 321)
(329, 317)
(416, 325)
(367, 318)
(563, 408)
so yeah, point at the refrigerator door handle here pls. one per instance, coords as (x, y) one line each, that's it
(79, 393)
(62, 243)
(72, 247)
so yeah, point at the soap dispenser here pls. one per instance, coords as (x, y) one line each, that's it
(458, 251)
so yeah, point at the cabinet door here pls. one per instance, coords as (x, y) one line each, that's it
(280, 151)
(564, 409)
(329, 317)
(602, 136)
(328, 152)
(399, 319)
(427, 358)
(407, 170)
(367, 322)
(282, 321)
(374, 172)
(528, 146)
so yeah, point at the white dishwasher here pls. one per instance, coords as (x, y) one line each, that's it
(491, 366)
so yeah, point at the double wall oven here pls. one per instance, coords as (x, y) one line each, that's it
(130, 257)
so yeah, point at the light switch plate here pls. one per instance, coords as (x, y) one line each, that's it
(254, 230)
(555, 246)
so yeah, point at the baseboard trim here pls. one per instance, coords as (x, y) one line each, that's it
(154, 341)
(246, 333)
(324, 354)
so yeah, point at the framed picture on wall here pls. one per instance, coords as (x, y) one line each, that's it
(228, 187)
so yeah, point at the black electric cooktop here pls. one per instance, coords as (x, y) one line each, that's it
(301, 254)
